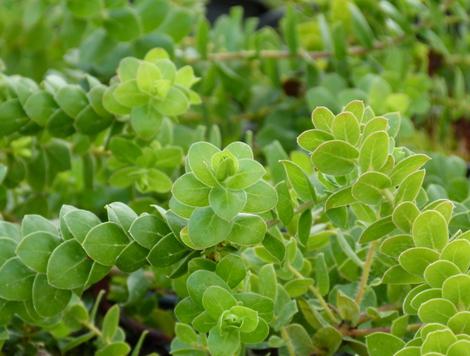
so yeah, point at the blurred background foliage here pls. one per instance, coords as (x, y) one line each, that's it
(263, 66)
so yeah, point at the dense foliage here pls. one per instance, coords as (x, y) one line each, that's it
(171, 185)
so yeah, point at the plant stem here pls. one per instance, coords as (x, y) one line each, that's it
(317, 295)
(285, 54)
(365, 272)
(367, 331)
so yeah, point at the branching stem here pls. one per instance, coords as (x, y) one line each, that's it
(366, 272)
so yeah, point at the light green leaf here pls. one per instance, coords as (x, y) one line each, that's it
(199, 161)
(457, 290)
(227, 203)
(370, 186)
(232, 270)
(261, 197)
(415, 260)
(322, 118)
(374, 151)
(383, 344)
(345, 127)
(299, 181)
(216, 300)
(190, 191)
(437, 272)
(430, 230)
(206, 229)
(335, 157)
(249, 173)
(247, 230)
(309, 140)
(438, 310)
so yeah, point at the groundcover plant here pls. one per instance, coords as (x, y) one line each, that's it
(172, 186)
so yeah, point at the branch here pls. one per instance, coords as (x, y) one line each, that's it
(286, 54)
(365, 272)
(367, 331)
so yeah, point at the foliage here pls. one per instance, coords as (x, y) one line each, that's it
(264, 227)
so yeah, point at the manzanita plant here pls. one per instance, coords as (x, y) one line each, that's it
(345, 253)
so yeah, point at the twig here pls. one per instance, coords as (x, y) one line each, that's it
(365, 272)
(286, 54)
(317, 295)
(366, 331)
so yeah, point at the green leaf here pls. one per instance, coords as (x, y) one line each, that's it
(47, 300)
(457, 290)
(370, 186)
(328, 338)
(119, 348)
(147, 230)
(122, 24)
(322, 118)
(175, 103)
(299, 181)
(68, 266)
(154, 180)
(383, 344)
(397, 275)
(348, 309)
(167, 251)
(34, 223)
(232, 270)
(409, 188)
(147, 74)
(309, 140)
(268, 287)
(424, 296)
(227, 203)
(415, 260)
(361, 28)
(16, 280)
(124, 149)
(460, 322)
(247, 230)
(335, 157)
(345, 127)
(105, 242)
(110, 324)
(374, 151)
(71, 99)
(430, 230)
(298, 341)
(297, 287)
(438, 310)
(199, 161)
(378, 229)
(404, 215)
(248, 174)
(393, 246)
(121, 214)
(78, 222)
(34, 250)
(407, 166)
(374, 125)
(261, 197)
(460, 347)
(132, 257)
(458, 252)
(216, 300)
(198, 282)
(437, 272)
(12, 117)
(128, 94)
(206, 229)
(340, 198)
(222, 342)
(40, 106)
